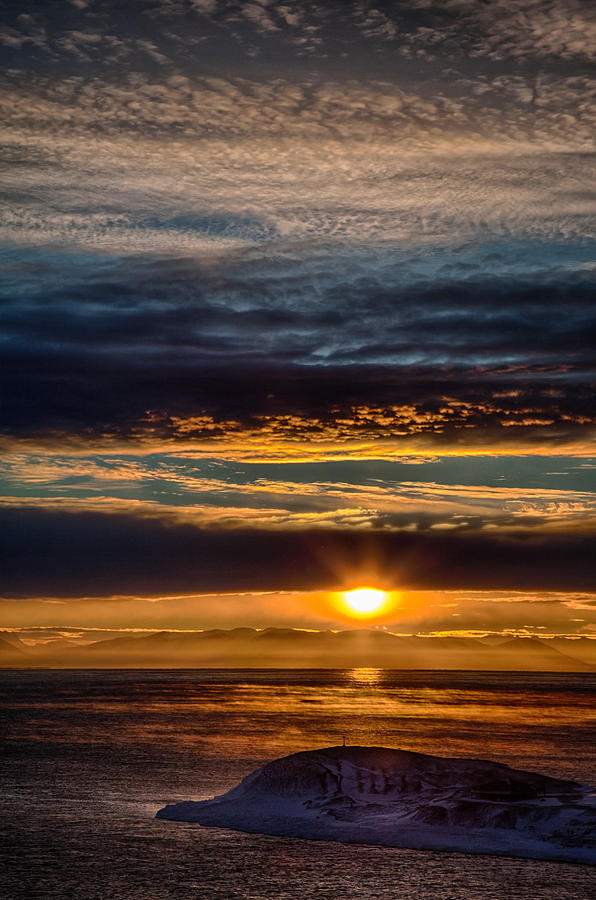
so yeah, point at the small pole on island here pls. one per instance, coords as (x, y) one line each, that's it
(344, 743)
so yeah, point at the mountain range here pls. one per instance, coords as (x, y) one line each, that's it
(293, 648)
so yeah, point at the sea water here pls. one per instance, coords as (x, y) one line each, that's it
(88, 757)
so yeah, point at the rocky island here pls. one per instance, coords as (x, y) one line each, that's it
(397, 798)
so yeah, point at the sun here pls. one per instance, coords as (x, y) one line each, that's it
(365, 601)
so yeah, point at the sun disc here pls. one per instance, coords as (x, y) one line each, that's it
(365, 600)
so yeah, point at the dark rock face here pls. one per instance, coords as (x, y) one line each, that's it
(398, 798)
(384, 771)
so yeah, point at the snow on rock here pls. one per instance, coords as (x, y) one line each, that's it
(396, 798)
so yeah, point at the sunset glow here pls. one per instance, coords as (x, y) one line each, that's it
(365, 601)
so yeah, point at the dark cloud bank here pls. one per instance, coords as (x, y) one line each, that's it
(119, 356)
(72, 555)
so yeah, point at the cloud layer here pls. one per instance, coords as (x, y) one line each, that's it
(240, 238)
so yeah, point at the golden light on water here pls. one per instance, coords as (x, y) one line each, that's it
(365, 601)
(365, 676)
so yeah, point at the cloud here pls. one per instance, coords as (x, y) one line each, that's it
(180, 489)
(204, 6)
(53, 553)
(251, 358)
(257, 13)
(427, 32)
(269, 233)
(375, 24)
(560, 28)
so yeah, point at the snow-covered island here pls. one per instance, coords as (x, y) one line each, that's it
(396, 798)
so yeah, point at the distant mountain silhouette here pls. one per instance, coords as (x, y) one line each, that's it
(289, 648)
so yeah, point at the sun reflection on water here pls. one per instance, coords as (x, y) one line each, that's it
(365, 676)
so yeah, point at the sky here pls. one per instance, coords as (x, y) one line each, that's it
(297, 297)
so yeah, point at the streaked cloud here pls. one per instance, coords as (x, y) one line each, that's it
(180, 489)
(282, 280)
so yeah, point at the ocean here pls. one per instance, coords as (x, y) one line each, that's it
(88, 757)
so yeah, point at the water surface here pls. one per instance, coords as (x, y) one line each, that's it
(90, 756)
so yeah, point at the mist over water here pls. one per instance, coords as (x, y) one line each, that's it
(90, 756)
